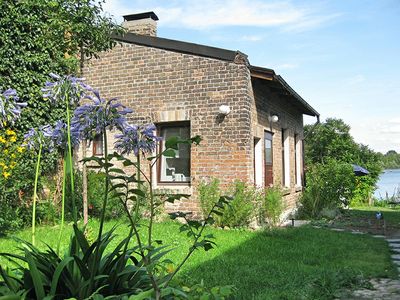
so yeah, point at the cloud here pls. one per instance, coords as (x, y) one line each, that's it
(286, 66)
(394, 121)
(354, 80)
(209, 14)
(251, 38)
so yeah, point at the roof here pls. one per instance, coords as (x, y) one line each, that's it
(216, 53)
(177, 46)
(279, 84)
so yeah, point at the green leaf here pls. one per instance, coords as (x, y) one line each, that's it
(35, 274)
(137, 192)
(57, 273)
(172, 142)
(142, 296)
(169, 153)
(81, 239)
(116, 170)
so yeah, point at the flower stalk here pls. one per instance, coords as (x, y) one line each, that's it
(35, 194)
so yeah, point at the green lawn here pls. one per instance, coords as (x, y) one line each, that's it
(293, 263)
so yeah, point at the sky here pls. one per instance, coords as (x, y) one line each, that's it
(342, 57)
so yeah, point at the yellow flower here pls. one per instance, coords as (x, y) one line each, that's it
(13, 164)
(170, 268)
(13, 139)
(13, 155)
(10, 132)
(5, 151)
(6, 174)
(2, 140)
(20, 149)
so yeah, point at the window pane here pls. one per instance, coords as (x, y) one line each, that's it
(98, 145)
(176, 169)
(268, 148)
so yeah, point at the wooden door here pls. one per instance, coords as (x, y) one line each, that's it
(268, 160)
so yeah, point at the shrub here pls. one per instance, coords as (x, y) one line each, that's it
(329, 185)
(95, 197)
(15, 181)
(209, 194)
(272, 205)
(239, 212)
(242, 205)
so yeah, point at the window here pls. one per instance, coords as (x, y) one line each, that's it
(98, 145)
(268, 173)
(175, 169)
(297, 159)
(285, 158)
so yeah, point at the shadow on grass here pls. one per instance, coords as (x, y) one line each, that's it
(295, 263)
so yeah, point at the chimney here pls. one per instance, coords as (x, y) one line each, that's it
(143, 23)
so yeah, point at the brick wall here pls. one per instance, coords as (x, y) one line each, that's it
(264, 104)
(165, 86)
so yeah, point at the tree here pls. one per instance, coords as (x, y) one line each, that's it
(332, 142)
(330, 139)
(38, 37)
(391, 160)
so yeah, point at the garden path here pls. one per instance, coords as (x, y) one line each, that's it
(382, 288)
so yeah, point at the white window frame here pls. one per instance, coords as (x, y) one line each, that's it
(286, 157)
(175, 178)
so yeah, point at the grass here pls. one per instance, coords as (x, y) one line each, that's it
(292, 263)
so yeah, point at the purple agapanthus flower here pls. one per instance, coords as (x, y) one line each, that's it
(10, 108)
(41, 136)
(92, 119)
(137, 139)
(64, 87)
(59, 136)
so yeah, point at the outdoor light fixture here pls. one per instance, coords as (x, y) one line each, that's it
(274, 118)
(224, 110)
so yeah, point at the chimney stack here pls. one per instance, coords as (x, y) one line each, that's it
(143, 23)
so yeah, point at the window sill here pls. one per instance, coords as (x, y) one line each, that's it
(173, 189)
(285, 190)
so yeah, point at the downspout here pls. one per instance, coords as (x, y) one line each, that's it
(302, 150)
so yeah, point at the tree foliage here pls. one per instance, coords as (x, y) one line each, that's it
(330, 144)
(38, 37)
(391, 160)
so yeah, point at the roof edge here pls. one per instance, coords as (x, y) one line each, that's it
(178, 46)
(297, 96)
(269, 74)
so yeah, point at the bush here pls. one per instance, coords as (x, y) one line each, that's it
(272, 206)
(239, 212)
(242, 205)
(15, 181)
(329, 185)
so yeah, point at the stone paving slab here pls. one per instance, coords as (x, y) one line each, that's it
(379, 236)
(395, 256)
(393, 240)
(382, 288)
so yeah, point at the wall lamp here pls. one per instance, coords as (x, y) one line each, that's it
(274, 118)
(224, 110)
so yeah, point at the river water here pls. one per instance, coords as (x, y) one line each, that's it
(389, 182)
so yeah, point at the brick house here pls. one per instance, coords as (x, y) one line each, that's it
(183, 88)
